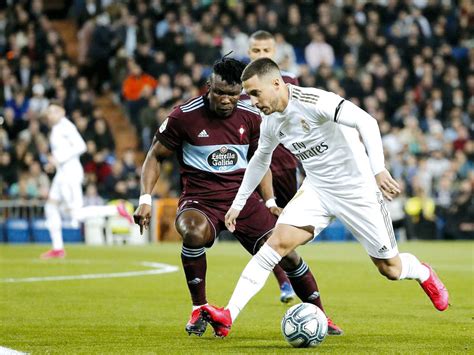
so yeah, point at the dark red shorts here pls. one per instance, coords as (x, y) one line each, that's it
(285, 186)
(254, 223)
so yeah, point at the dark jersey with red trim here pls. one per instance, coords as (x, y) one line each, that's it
(282, 159)
(213, 152)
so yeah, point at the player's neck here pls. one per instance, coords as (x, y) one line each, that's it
(284, 100)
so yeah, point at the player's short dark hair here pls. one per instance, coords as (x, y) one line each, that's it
(261, 35)
(229, 69)
(259, 67)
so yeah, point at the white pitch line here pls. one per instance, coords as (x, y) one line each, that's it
(8, 351)
(159, 268)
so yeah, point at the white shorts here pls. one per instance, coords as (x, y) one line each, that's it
(67, 192)
(363, 212)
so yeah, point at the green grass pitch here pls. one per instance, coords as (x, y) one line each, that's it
(147, 314)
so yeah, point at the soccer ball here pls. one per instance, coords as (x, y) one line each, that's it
(304, 325)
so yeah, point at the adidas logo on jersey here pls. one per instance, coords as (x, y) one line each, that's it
(281, 134)
(203, 134)
(383, 249)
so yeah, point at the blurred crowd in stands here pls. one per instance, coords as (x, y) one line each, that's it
(410, 64)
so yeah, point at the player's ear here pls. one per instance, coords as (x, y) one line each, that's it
(276, 83)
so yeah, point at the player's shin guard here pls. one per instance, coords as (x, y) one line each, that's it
(53, 222)
(195, 266)
(305, 285)
(253, 278)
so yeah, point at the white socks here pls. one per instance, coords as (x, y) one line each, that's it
(412, 268)
(196, 307)
(53, 221)
(252, 279)
(83, 213)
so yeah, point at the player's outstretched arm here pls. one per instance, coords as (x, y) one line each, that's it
(257, 168)
(150, 174)
(353, 116)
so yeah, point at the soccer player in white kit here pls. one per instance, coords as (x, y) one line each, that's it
(65, 194)
(346, 178)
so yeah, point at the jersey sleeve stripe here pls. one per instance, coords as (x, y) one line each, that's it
(304, 97)
(192, 108)
(308, 97)
(338, 109)
(249, 110)
(191, 103)
(313, 101)
(247, 107)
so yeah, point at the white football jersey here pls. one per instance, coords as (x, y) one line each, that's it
(67, 146)
(332, 154)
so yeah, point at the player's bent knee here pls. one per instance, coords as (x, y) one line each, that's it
(194, 239)
(280, 246)
(195, 230)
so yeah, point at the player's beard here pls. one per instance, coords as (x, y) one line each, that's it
(273, 105)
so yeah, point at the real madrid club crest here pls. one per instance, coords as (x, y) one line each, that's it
(305, 126)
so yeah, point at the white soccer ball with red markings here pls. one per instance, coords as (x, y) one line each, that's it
(304, 325)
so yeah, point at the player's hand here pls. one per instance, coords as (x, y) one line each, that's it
(142, 216)
(230, 219)
(276, 210)
(389, 187)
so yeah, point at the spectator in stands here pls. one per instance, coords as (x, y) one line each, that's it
(91, 196)
(164, 91)
(460, 216)
(103, 137)
(421, 214)
(24, 72)
(148, 120)
(20, 105)
(318, 51)
(117, 174)
(135, 88)
(237, 41)
(129, 163)
(38, 181)
(9, 173)
(285, 54)
(38, 103)
(100, 50)
(22, 189)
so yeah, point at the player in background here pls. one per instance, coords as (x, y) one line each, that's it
(65, 195)
(345, 178)
(284, 165)
(214, 135)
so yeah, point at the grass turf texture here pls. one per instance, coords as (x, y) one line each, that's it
(147, 314)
